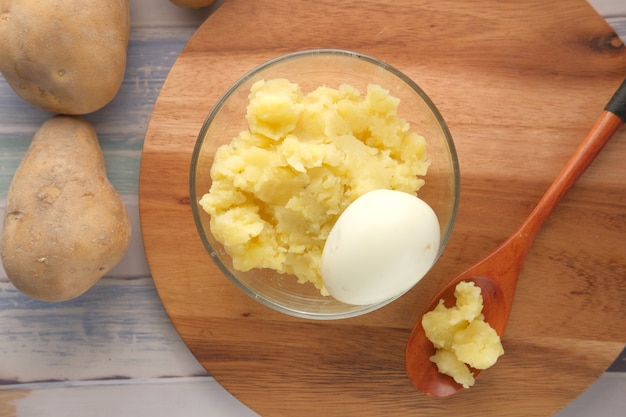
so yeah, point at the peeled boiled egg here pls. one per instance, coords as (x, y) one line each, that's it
(381, 246)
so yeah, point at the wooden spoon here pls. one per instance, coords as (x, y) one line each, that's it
(498, 273)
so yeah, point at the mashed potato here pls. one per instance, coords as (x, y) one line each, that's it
(461, 336)
(279, 187)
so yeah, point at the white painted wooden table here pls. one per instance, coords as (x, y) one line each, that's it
(113, 351)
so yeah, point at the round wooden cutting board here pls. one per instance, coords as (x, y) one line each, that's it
(519, 84)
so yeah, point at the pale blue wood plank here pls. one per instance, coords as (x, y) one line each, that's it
(188, 397)
(122, 124)
(619, 25)
(614, 12)
(118, 329)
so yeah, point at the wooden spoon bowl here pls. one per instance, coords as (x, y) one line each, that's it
(498, 273)
(427, 378)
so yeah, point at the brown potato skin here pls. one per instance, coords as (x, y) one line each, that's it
(194, 4)
(64, 56)
(65, 226)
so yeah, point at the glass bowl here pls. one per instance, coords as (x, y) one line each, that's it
(311, 69)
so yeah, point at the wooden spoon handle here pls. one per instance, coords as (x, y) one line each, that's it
(609, 121)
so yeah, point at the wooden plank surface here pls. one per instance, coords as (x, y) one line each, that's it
(518, 96)
(115, 352)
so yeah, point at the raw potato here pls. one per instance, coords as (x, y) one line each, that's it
(64, 56)
(194, 4)
(65, 226)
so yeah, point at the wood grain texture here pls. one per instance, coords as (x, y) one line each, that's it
(519, 91)
(132, 343)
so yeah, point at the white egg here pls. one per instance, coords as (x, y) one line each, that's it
(381, 246)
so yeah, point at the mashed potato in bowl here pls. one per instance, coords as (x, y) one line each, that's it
(278, 187)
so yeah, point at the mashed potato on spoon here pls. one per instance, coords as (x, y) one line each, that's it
(461, 336)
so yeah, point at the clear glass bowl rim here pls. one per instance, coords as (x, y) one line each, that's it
(216, 109)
